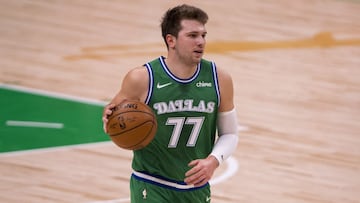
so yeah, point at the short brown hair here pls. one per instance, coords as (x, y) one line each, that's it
(171, 21)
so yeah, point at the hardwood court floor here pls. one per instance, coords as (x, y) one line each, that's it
(295, 66)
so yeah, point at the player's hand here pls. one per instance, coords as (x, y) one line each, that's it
(201, 172)
(106, 113)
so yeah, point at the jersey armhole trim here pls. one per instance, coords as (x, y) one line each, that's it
(151, 83)
(216, 81)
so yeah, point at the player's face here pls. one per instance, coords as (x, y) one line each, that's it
(190, 43)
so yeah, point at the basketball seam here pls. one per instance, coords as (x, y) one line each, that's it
(131, 128)
(152, 115)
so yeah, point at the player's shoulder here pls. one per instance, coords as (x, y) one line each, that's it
(137, 75)
(138, 72)
(224, 79)
(220, 71)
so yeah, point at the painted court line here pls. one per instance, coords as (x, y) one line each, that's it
(34, 124)
(55, 149)
(232, 167)
(53, 94)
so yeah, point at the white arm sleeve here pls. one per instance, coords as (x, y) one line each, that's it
(228, 135)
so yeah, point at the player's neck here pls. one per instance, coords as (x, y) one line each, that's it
(179, 68)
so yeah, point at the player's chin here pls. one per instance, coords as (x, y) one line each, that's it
(197, 58)
(198, 54)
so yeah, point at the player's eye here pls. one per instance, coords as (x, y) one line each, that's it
(192, 35)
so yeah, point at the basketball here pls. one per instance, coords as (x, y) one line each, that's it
(132, 125)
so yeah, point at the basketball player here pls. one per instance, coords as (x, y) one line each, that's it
(192, 99)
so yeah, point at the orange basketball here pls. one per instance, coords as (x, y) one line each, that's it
(132, 125)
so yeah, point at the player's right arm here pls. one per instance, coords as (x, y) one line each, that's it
(134, 87)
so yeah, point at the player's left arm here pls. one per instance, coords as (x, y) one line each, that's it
(203, 169)
(134, 87)
(227, 120)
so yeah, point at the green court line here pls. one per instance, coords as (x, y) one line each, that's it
(33, 120)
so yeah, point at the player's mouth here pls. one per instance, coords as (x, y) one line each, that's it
(199, 52)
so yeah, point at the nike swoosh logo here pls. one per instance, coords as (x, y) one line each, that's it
(163, 85)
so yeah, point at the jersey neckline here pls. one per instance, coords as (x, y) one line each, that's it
(174, 77)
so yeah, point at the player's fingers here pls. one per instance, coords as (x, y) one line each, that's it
(194, 169)
(194, 177)
(105, 120)
(104, 127)
(197, 179)
(108, 110)
(201, 181)
(194, 163)
(200, 173)
(111, 105)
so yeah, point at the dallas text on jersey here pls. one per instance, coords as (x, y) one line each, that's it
(184, 105)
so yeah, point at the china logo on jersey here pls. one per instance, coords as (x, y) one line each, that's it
(203, 84)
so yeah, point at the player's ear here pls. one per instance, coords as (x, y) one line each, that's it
(171, 41)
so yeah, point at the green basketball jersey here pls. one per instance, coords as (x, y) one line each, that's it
(186, 112)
